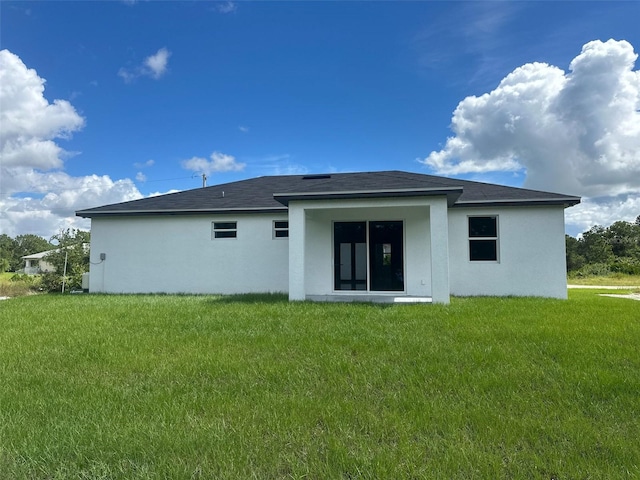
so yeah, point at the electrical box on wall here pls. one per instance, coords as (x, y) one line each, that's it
(103, 256)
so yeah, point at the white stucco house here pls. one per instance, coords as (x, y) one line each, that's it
(389, 235)
(35, 263)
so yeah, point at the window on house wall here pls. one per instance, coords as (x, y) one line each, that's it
(483, 239)
(280, 229)
(224, 230)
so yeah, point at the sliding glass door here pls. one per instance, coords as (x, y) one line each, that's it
(368, 256)
(350, 253)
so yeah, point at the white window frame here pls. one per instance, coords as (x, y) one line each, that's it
(279, 229)
(223, 230)
(495, 238)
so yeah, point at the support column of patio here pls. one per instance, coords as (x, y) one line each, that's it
(297, 240)
(439, 232)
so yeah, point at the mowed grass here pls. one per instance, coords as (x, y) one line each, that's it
(256, 387)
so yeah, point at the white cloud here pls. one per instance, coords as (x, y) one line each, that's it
(48, 201)
(147, 164)
(576, 133)
(154, 66)
(157, 64)
(603, 211)
(36, 196)
(226, 7)
(219, 162)
(280, 164)
(243, 129)
(141, 177)
(29, 122)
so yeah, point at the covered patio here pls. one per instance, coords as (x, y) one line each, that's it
(385, 249)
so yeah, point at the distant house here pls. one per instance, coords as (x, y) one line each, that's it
(393, 235)
(35, 264)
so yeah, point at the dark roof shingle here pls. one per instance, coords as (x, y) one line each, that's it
(257, 194)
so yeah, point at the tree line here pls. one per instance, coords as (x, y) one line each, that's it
(605, 250)
(68, 254)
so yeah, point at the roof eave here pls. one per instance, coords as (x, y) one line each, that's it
(207, 211)
(564, 201)
(452, 194)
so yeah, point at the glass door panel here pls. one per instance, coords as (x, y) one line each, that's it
(386, 256)
(350, 253)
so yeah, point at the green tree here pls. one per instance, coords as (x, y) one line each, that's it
(70, 259)
(594, 246)
(4, 265)
(7, 252)
(575, 260)
(26, 245)
(624, 238)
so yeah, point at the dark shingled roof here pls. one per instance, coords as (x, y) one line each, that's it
(272, 194)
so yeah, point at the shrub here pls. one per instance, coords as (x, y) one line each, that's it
(19, 284)
(626, 265)
(593, 270)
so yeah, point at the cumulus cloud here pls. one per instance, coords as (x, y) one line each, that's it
(219, 162)
(575, 132)
(47, 202)
(30, 124)
(36, 196)
(603, 211)
(154, 66)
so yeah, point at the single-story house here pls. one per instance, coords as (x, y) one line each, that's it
(35, 263)
(371, 236)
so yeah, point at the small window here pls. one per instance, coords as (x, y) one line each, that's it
(483, 239)
(280, 229)
(225, 229)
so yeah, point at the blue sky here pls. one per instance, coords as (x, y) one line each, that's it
(142, 97)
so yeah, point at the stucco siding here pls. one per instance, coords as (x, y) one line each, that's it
(531, 253)
(177, 254)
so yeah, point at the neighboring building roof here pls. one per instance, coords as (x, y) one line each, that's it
(38, 256)
(272, 194)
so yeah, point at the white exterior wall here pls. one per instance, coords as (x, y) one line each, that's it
(531, 253)
(317, 250)
(177, 254)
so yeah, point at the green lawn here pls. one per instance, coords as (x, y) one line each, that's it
(256, 387)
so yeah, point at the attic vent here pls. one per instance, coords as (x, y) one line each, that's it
(315, 177)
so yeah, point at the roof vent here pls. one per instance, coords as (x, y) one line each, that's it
(315, 177)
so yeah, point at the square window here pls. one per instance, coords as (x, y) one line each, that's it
(280, 229)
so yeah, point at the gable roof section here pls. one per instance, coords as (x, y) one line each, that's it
(272, 194)
(39, 255)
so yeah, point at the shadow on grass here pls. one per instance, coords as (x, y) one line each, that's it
(283, 298)
(252, 298)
